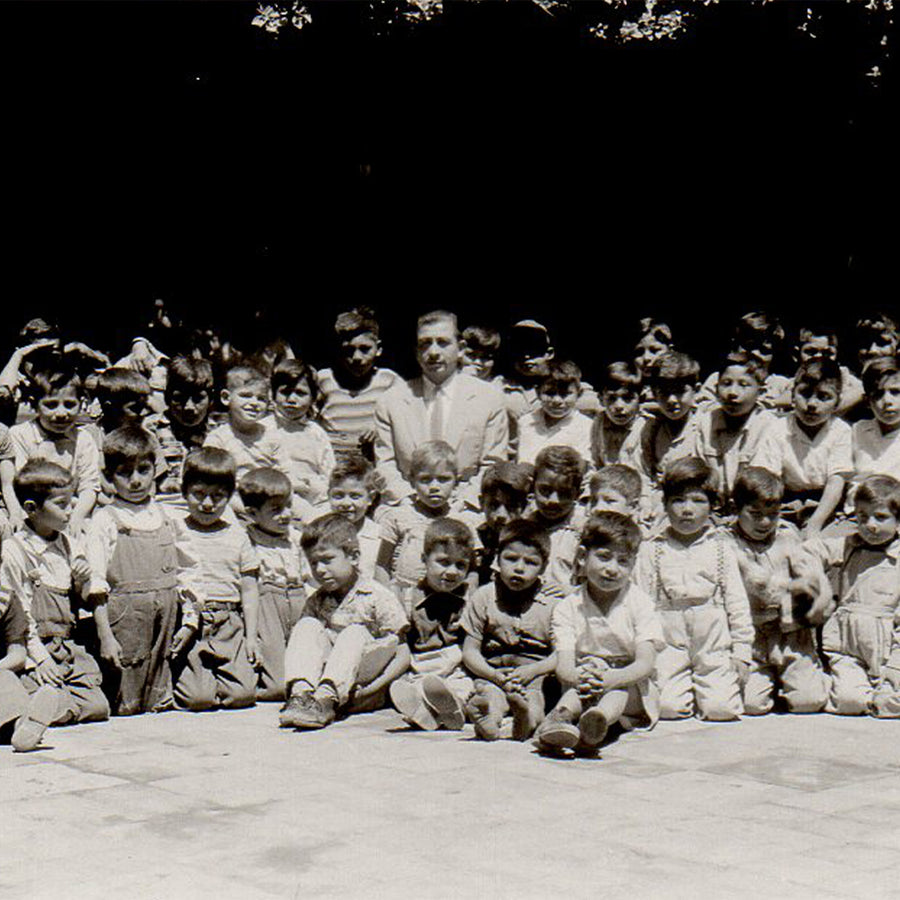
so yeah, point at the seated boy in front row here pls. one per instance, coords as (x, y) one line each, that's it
(217, 637)
(348, 646)
(507, 645)
(40, 566)
(606, 636)
(433, 693)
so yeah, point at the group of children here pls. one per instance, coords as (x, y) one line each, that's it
(657, 547)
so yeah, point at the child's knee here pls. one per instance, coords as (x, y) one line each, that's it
(847, 701)
(94, 709)
(237, 696)
(808, 698)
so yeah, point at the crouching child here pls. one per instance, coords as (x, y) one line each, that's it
(507, 644)
(433, 693)
(349, 645)
(606, 635)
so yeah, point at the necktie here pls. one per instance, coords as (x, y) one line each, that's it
(436, 428)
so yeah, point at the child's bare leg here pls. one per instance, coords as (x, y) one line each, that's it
(527, 710)
(558, 731)
(486, 708)
(595, 721)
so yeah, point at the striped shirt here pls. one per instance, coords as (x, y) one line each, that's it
(346, 414)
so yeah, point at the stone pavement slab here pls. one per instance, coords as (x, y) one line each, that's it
(228, 805)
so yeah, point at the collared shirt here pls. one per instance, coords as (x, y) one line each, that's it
(369, 537)
(435, 618)
(76, 451)
(28, 558)
(706, 569)
(875, 453)
(281, 561)
(308, 456)
(580, 625)
(611, 444)
(565, 536)
(505, 626)
(806, 463)
(249, 452)
(439, 400)
(536, 432)
(367, 603)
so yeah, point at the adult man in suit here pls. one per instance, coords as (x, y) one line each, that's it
(443, 404)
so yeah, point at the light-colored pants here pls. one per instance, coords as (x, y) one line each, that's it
(327, 662)
(13, 697)
(695, 668)
(785, 660)
(853, 692)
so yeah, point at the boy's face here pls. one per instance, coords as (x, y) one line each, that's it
(437, 350)
(606, 569)
(737, 391)
(293, 401)
(500, 508)
(350, 498)
(434, 486)
(333, 567)
(675, 399)
(520, 565)
(817, 346)
(531, 352)
(189, 406)
(689, 512)
(246, 404)
(758, 520)
(608, 499)
(359, 354)
(876, 523)
(885, 401)
(445, 568)
(57, 411)
(558, 401)
(273, 517)
(883, 343)
(815, 404)
(554, 495)
(477, 362)
(648, 350)
(207, 502)
(621, 405)
(133, 481)
(54, 514)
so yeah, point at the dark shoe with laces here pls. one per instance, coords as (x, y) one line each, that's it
(299, 711)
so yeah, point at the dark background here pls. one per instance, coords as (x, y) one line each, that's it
(517, 167)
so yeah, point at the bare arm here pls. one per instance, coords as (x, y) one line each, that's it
(831, 496)
(476, 663)
(250, 606)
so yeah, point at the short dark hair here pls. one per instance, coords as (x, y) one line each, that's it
(38, 479)
(877, 372)
(451, 534)
(620, 375)
(353, 465)
(242, 374)
(209, 465)
(878, 489)
(523, 531)
(483, 338)
(618, 477)
(744, 360)
(565, 462)
(356, 321)
(119, 385)
(290, 372)
(127, 444)
(561, 374)
(48, 380)
(262, 484)
(756, 485)
(430, 455)
(819, 371)
(674, 368)
(330, 530)
(689, 474)
(189, 372)
(611, 529)
(510, 479)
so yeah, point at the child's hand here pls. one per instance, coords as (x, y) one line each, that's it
(48, 672)
(81, 570)
(111, 651)
(892, 677)
(250, 645)
(181, 639)
(16, 519)
(743, 671)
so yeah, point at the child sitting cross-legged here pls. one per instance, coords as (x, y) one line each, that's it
(691, 571)
(507, 646)
(349, 645)
(861, 639)
(432, 471)
(131, 549)
(606, 636)
(352, 490)
(41, 564)
(215, 649)
(283, 574)
(788, 593)
(433, 693)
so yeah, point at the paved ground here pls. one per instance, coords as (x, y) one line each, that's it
(226, 805)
